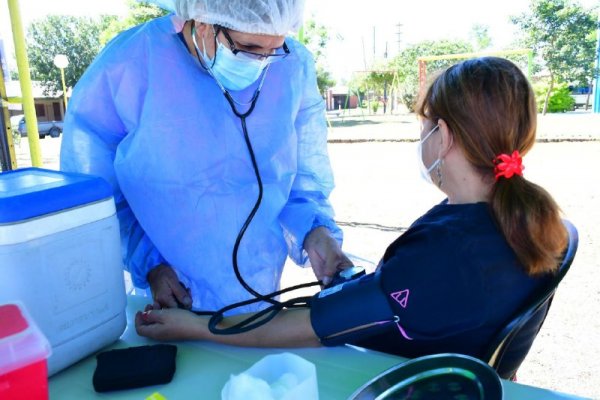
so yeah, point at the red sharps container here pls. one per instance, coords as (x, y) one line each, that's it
(23, 353)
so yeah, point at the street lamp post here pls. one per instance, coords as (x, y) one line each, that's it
(61, 61)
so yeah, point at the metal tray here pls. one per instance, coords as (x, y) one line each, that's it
(438, 376)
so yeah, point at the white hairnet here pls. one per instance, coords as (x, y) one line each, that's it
(267, 17)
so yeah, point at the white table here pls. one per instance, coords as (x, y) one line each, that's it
(203, 368)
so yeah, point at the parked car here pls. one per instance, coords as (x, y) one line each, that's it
(52, 128)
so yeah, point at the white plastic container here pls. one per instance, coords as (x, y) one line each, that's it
(60, 257)
(23, 354)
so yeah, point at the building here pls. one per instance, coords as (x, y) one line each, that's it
(47, 107)
(339, 97)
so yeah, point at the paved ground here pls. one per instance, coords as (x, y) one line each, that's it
(379, 192)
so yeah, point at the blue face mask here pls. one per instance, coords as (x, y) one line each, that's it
(233, 72)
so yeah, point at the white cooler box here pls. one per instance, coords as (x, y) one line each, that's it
(60, 257)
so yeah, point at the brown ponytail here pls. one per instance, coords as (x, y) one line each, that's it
(490, 108)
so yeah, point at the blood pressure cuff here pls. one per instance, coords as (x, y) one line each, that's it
(134, 367)
(352, 310)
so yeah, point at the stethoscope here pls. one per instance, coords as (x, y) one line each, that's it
(261, 317)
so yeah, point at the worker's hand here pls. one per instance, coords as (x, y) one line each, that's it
(169, 324)
(325, 254)
(167, 291)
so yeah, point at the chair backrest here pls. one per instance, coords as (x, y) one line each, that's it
(511, 344)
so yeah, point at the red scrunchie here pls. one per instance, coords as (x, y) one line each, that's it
(507, 166)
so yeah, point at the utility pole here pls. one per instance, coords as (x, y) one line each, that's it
(399, 49)
(25, 80)
(364, 53)
(365, 64)
(385, 54)
(373, 45)
(399, 36)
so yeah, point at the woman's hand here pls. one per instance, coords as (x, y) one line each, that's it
(167, 291)
(170, 324)
(325, 254)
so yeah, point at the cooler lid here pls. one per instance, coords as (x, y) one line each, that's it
(32, 192)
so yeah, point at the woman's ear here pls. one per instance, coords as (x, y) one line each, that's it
(447, 138)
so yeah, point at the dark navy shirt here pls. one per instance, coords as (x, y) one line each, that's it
(451, 279)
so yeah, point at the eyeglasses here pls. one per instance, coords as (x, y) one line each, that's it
(278, 54)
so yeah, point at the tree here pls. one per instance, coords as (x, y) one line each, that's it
(562, 34)
(75, 37)
(377, 81)
(324, 79)
(138, 14)
(315, 39)
(480, 35)
(407, 68)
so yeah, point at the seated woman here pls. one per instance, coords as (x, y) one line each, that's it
(462, 269)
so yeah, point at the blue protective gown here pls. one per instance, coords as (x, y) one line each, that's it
(148, 118)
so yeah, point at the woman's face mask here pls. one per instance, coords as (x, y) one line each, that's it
(426, 171)
(233, 72)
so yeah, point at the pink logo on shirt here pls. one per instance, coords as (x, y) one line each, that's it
(401, 297)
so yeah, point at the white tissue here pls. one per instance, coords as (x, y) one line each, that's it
(284, 376)
(244, 386)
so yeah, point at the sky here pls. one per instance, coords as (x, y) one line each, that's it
(353, 25)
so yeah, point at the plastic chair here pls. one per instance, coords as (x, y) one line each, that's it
(439, 376)
(510, 346)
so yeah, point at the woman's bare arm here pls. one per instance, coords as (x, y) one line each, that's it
(289, 328)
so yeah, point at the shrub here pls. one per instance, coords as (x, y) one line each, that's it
(375, 106)
(560, 98)
(409, 99)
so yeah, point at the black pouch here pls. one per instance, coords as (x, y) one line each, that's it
(134, 367)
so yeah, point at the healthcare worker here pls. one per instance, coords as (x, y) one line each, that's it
(210, 128)
(453, 279)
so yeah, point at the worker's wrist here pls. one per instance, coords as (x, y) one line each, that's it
(315, 235)
(330, 227)
(156, 271)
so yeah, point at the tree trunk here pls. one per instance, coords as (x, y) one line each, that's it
(587, 99)
(545, 109)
